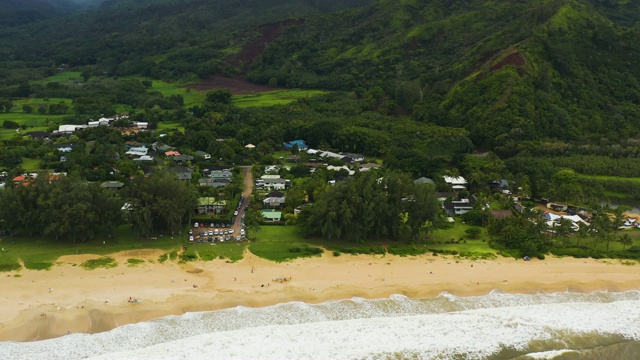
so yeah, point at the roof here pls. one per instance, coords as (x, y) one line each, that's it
(275, 194)
(201, 153)
(38, 134)
(500, 214)
(180, 169)
(112, 185)
(19, 178)
(250, 146)
(424, 180)
(455, 180)
(184, 176)
(183, 158)
(172, 153)
(204, 201)
(271, 215)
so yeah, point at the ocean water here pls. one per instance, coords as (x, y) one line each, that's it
(598, 325)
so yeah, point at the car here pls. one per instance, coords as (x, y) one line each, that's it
(226, 238)
(230, 231)
(238, 238)
(242, 232)
(212, 225)
(210, 239)
(195, 225)
(216, 232)
(210, 232)
(235, 213)
(202, 225)
(191, 238)
(190, 232)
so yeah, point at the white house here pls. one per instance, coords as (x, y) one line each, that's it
(456, 183)
(137, 151)
(274, 199)
(338, 168)
(144, 158)
(275, 184)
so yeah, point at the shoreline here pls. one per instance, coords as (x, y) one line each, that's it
(92, 301)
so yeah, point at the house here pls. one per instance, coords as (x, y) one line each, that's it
(216, 183)
(456, 183)
(302, 145)
(270, 176)
(112, 185)
(203, 155)
(274, 184)
(271, 169)
(459, 207)
(270, 215)
(424, 180)
(38, 134)
(144, 158)
(184, 176)
(221, 174)
(19, 179)
(330, 154)
(207, 169)
(171, 153)
(250, 146)
(160, 147)
(500, 214)
(299, 209)
(369, 166)
(354, 157)
(133, 144)
(274, 199)
(137, 151)
(65, 148)
(343, 167)
(63, 158)
(209, 205)
(182, 158)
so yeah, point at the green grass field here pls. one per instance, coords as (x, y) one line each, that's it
(30, 164)
(167, 127)
(279, 97)
(280, 243)
(207, 252)
(41, 254)
(610, 178)
(64, 76)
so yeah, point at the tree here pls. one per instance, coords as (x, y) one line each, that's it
(625, 240)
(27, 109)
(473, 232)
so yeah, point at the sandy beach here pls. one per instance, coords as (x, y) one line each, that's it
(44, 304)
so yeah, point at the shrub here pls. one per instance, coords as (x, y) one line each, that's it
(336, 253)
(103, 262)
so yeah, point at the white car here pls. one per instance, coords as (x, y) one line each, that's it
(231, 231)
(195, 225)
(235, 213)
(216, 232)
(191, 238)
(242, 232)
(210, 232)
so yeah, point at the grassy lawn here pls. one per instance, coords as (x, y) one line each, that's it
(280, 243)
(609, 178)
(207, 252)
(166, 127)
(30, 164)
(41, 254)
(279, 97)
(64, 76)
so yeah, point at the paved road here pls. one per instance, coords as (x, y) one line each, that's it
(248, 189)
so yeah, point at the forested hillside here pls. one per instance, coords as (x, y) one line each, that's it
(20, 12)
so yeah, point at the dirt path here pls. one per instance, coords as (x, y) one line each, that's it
(246, 193)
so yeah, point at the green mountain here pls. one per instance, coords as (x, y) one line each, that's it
(509, 71)
(20, 12)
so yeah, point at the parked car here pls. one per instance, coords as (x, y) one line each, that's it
(210, 232)
(191, 238)
(195, 225)
(190, 232)
(202, 225)
(235, 213)
(216, 232)
(242, 232)
(238, 238)
(231, 231)
(212, 225)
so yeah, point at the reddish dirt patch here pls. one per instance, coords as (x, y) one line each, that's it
(512, 59)
(237, 86)
(253, 49)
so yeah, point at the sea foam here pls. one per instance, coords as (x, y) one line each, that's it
(446, 326)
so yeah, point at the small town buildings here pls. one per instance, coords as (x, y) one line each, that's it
(273, 184)
(424, 180)
(38, 134)
(180, 159)
(270, 215)
(274, 199)
(144, 158)
(171, 153)
(216, 183)
(457, 183)
(457, 207)
(221, 174)
(203, 155)
(343, 167)
(354, 157)
(112, 185)
(302, 145)
(65, 148)
(211, 206)
(137, 151)
(250, 146)
(369, 166)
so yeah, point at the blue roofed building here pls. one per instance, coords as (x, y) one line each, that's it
(302, 145)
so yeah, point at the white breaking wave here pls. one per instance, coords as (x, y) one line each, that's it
(443, 327)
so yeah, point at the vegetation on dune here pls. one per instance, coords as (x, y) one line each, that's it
(103, 262)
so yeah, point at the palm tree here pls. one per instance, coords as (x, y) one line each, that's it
(625, 240)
